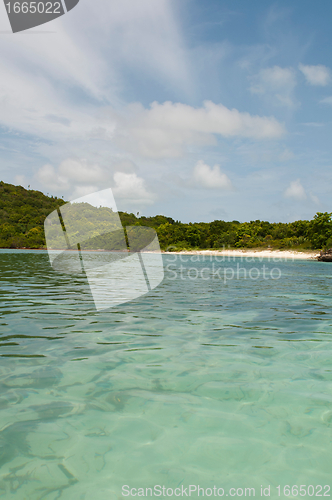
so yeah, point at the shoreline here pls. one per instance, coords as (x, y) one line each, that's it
(250, 253)
(275, 255)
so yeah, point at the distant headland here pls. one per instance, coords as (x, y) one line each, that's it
(23, 212)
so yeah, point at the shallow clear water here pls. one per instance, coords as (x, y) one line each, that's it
(203, 381)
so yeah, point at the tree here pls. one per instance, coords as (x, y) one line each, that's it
(320, 230)
(193, 236)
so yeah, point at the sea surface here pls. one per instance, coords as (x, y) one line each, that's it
(210, 380)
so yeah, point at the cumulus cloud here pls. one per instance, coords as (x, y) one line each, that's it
(132, 189)
(164, 130)
(71, 173)
(276, 82)
(210, 177)
(48, 177)
(55, 89)
(67, 94)
(316, 75)
(78, 178)
(81, 171)
(295, 191)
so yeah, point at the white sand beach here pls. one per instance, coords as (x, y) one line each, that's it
(274, 255)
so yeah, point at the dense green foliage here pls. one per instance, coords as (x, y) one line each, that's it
(22, 215)
(23, 212)
(219, 234)
(299, 235)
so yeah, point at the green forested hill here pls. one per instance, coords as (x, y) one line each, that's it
(22, 215)
(23, 212)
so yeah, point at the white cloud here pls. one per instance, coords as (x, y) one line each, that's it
(295, 191)
(49, 178)
(131, 189)
(32, 104)
(79, 171)
(72, 174)
(326, 100)
(316, 75)
(78, 178)
(53, 85)
(56, 87)
(210, 177)
(147, 36)
(164, 130)
(81, 191)
(276, 82)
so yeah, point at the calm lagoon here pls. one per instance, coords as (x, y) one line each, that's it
(204, 381)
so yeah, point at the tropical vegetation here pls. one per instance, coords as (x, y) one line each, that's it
(23, 213)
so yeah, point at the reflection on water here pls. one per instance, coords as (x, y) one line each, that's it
(199, 382)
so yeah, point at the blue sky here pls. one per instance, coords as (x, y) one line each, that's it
(195, 110)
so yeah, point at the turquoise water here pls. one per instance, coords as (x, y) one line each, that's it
(201, 382)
